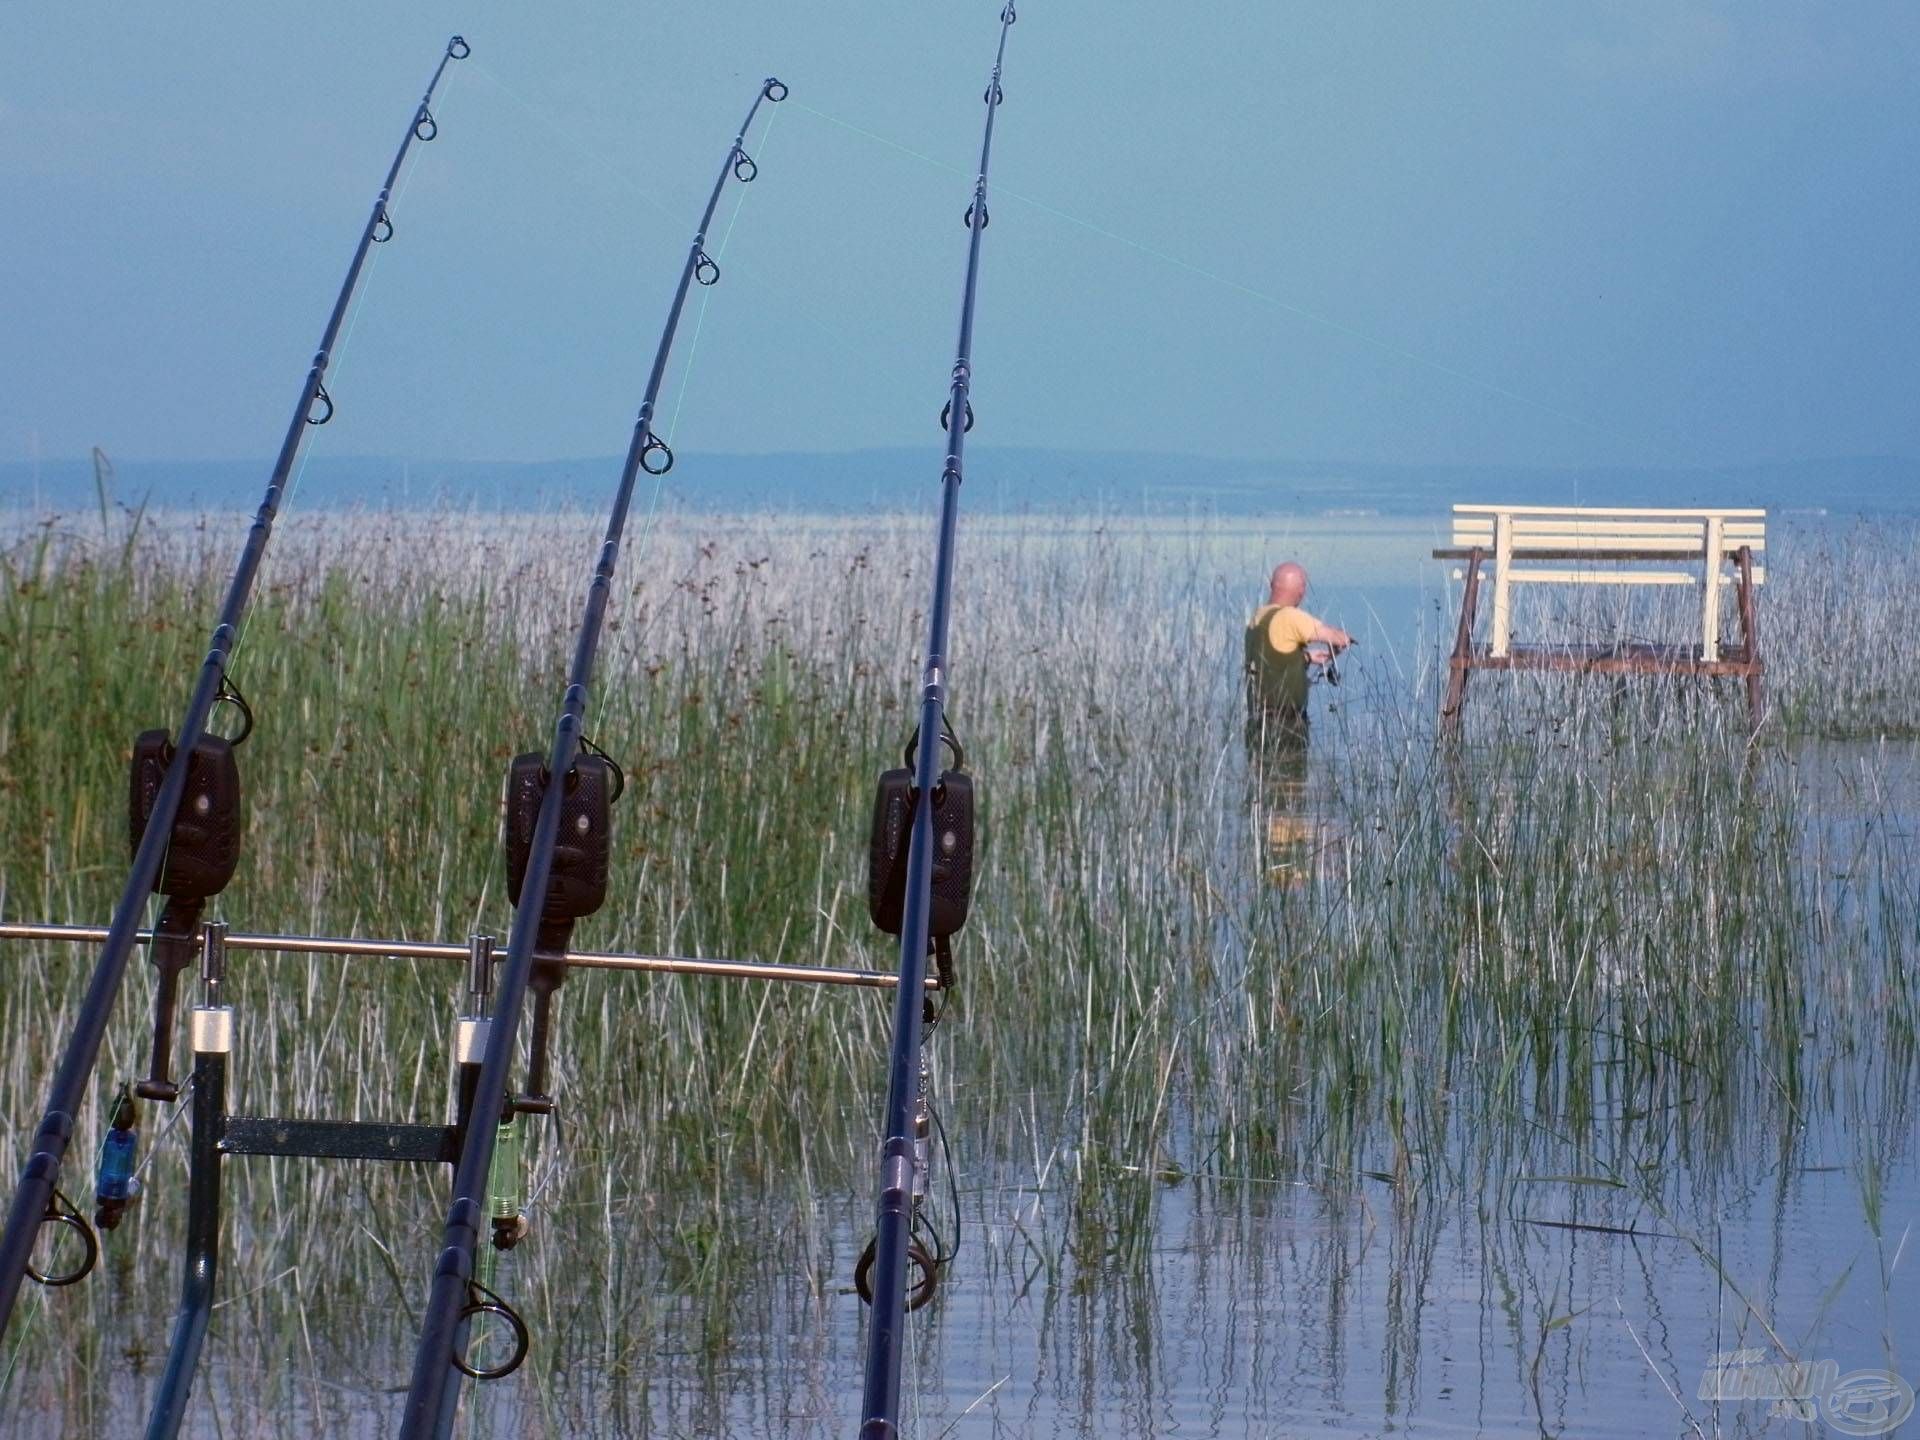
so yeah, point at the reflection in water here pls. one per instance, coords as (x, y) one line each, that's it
(1279, 767)
(1277, 780)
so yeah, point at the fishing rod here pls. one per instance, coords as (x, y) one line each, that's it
(922, 896)
(553, 881)
(186, 856)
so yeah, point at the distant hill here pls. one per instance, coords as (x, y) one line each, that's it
(1002, 480)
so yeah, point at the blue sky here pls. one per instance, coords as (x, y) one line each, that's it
(1516, 233)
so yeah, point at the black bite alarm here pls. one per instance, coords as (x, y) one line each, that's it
(893, 807)
(577, 881)
(204, 849)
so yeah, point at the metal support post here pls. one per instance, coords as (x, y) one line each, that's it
(212, 1043)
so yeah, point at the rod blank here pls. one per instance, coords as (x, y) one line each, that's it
(886, 1333)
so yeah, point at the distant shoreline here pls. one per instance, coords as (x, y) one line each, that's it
(999, 480)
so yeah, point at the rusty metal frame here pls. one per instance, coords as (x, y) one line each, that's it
(1742, 660)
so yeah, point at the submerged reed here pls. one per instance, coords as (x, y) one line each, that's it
(1603, 935)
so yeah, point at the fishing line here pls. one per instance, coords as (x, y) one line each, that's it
(601, 165)
(31, 1324)
(919, 1390)
(366, 285)
(551, 1170)
(648, 521)
(597, 161)
(338, 365)
(700, 316)
(1340, 327)
(178, 1109)
(604, 165)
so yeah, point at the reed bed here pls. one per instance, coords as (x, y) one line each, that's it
(1611, 935)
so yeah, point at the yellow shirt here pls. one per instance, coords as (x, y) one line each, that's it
(1276, 665)
(1290, 628)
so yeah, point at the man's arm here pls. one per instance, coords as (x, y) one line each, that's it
(1324, 634)
(1293, 628)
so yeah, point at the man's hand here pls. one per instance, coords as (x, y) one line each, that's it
(1333, 638)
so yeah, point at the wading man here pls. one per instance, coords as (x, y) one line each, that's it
(1282, 641)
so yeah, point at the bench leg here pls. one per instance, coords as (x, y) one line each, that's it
(1750, 633)
(1462, 659)
(1456, 698)
(1710, 602)
(1497, 642)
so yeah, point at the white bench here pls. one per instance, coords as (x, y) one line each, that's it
(1575, 545)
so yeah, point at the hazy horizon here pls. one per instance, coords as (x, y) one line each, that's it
(1000, 479)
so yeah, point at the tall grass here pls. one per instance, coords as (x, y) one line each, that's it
(1605, 937)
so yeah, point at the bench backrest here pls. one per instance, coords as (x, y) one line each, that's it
(1681, 533)
(1515, 538)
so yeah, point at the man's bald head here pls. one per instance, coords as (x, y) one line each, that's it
(1288, 585)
